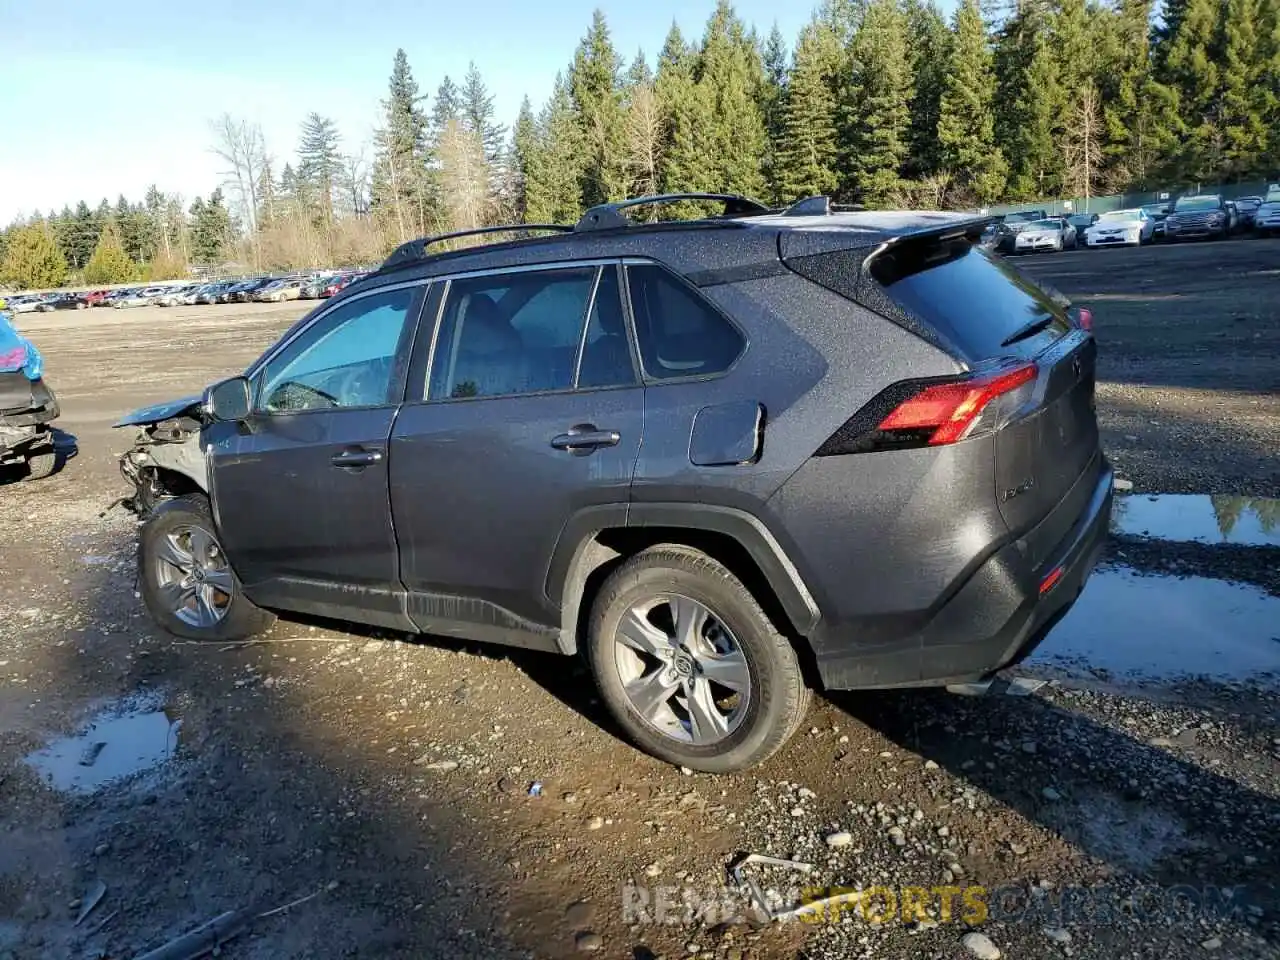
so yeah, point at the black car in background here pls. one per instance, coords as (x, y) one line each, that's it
(64, 301)
(1158, 212)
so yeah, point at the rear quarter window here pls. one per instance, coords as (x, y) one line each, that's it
(974, 299)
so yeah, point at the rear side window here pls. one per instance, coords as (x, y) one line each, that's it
(974, 299)
(680, 334)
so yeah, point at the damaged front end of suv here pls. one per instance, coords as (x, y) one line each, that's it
(27, 406)
(166, 459)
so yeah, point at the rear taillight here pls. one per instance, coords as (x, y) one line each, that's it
(934, 413)
(1084, 318)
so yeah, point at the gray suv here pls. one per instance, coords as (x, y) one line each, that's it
(726, 460)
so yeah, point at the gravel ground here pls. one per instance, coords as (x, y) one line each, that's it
(390, 781)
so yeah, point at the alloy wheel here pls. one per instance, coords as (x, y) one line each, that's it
(682, 669)
(193, 578)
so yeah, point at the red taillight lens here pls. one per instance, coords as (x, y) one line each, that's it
(1085, 318)
(949, 409)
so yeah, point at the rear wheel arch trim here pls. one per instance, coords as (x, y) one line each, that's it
(578, 553)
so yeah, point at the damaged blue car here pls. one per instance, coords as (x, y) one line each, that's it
(27, 405)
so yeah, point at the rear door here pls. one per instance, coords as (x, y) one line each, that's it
(532, 412)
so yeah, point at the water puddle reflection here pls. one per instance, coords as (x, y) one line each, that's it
(1163, 628)
(129, 738)
(1199, 518)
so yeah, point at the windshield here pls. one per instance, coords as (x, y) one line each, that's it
(1122, 215)
(1198, 203)
(1045, 225)
(1021, 217)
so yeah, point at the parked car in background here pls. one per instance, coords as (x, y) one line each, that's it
(96, 297)
(1248, 209)
(243, 292)
(1052, 233)
(171, 296)
(138, 298)
(27, 405)
(1266, 219)
(278, 290)
(500, 494)
(63, 301)
(1011, 224)
(1158, 212)
(1121, 228)
(313, 289)
(1235, 222)
(1195, 218)
(28, 304)
(1082, 222)
(341, 283)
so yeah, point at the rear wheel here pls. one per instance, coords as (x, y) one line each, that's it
(187, 581)
(42, 464)
(690, 665)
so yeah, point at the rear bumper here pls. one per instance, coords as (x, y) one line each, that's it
(998, 616)
(25, 425)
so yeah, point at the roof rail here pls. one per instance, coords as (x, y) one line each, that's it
(608, 216)
(415, 250)
(818, 206)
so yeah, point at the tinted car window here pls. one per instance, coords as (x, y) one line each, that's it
(511, 333)
(973, 298)
(606, 354)
(346, 359)
(680, 334)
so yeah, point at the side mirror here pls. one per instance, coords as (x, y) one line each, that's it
(228, 400)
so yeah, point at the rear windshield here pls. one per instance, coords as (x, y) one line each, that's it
(973, 298)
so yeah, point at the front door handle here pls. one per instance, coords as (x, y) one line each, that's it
(356, 458)
(584, 438)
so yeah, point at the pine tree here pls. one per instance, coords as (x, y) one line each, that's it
(730, 78)
(210, 228)
(775, 72)
(1072, 40)
(1031, 104)
(597, 102)
(398, 185)
(32, 259)
(553, 176)
(807, 160)
(448, 106)
(879, 125)
(1269, 80)
(109, 263)
(319, 163)
(1192, 67)
(1245, 101)
(688, 165)
(929, 46)
(477, 114)
(526, 152)
(966, 122)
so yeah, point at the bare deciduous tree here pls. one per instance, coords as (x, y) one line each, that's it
(464, 176)
(644, 139)
(1082, 148)
(355, 182)
(240, 145)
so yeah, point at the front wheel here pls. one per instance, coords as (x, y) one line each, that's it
(187, 581)
(689, 664)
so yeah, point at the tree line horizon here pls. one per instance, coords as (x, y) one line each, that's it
(885, 103)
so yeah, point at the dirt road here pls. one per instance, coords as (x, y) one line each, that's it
(394, 779)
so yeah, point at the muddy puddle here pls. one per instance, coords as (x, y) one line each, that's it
(1199, 518)
(1153, 627)
(127, 738)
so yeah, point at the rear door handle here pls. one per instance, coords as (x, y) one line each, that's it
(584, 440)
(356, 458)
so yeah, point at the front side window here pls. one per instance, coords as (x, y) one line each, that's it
(346, 359)
(680, 334)
(528, 332)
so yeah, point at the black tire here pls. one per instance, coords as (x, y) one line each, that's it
(42, 464)
(240, 618)
(778, 698)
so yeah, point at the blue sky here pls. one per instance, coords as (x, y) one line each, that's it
(100, 98)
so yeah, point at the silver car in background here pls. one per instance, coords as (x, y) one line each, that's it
(1054, 233)
(1130, 228)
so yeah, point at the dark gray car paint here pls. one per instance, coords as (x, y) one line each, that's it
(484, 530)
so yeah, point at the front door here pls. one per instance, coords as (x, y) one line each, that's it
(532, 412)
(300, 489)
